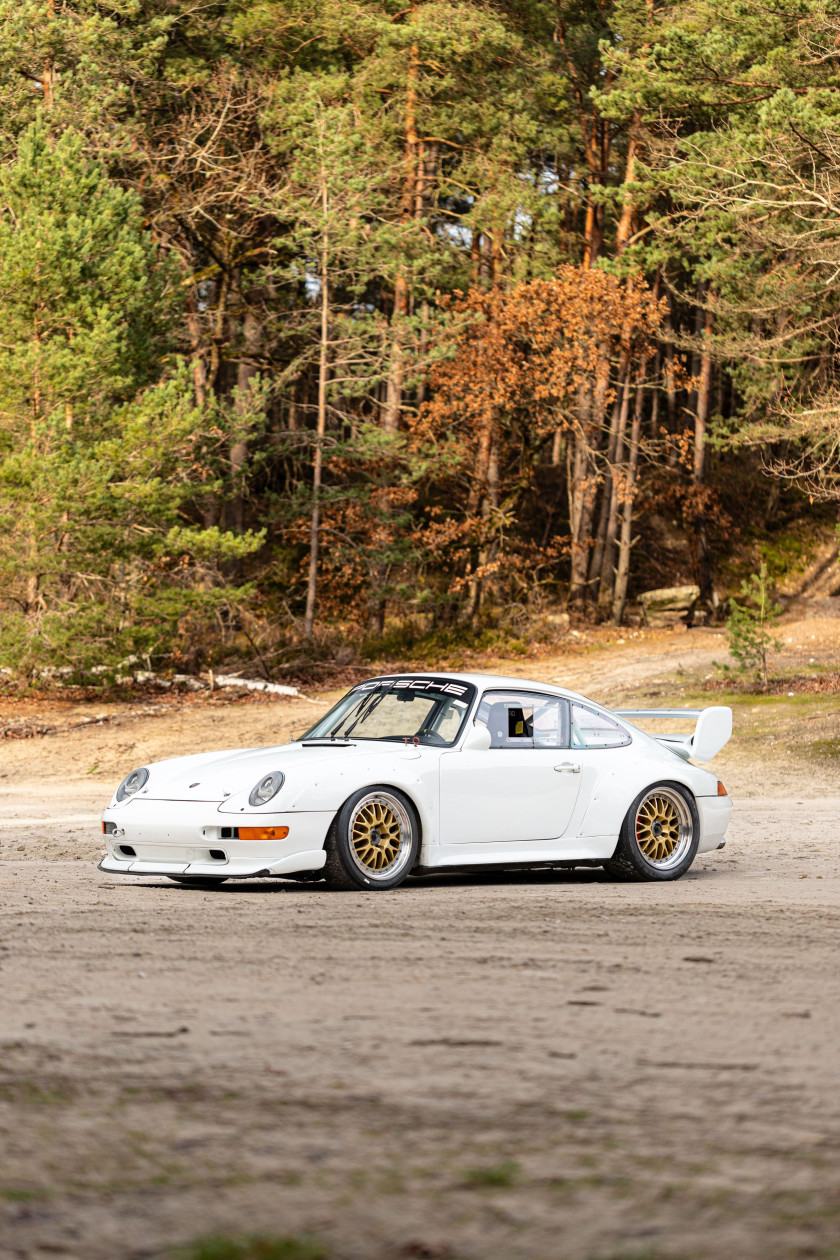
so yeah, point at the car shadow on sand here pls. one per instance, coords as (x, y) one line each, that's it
(445, 879)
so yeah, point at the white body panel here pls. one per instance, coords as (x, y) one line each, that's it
(506, 794)
(476, 805)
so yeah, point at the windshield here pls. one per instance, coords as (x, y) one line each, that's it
(408, 710)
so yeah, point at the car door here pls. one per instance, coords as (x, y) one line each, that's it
(524, 787)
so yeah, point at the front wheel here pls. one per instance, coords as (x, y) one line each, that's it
(659, 836)
(374, 841)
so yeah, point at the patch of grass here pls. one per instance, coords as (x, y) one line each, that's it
(808, 682)
(498, 1175)
(223, 1247)
(633, 1253)
(826, 747)
(590, 1181)
(35, 1093)
(20, 1194)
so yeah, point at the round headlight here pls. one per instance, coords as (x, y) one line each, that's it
(132, 783)
(267, 787)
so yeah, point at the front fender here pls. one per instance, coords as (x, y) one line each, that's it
(328, 786)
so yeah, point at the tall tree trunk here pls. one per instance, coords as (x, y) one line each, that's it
(583, 475)
(396, 366)
(603, 554)
(411, 207)
(293, 421)
(597, 559)
(320, 430)
(624, 228)
(411, 195)
(489, 502)
(198, 367)
(654, 401)
(48, 73)
(696, 353)
(477, 502)
(423, 346)
(703, 393)
(222, 296)
(252, 330)
(671, 385)
(605, 590)
(625, 544)
(475, 255)
(701, 416)
(606, 593)
(582, 489)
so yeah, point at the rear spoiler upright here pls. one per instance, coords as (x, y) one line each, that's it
(713, 729)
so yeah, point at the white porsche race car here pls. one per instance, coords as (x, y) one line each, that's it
(417, 772)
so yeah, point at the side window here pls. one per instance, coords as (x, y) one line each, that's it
(518, 719)
(596, 730)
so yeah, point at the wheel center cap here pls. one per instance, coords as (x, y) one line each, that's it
(657, 829)
(376, 836)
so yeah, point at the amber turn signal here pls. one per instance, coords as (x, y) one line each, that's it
(721, 789)
(263, 833)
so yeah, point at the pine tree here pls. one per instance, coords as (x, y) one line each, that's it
(95, 448)
(83, 298)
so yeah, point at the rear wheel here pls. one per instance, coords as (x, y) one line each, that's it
(374, 841)
(659, 836)
(198, 881)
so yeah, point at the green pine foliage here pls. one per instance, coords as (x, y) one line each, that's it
(103, 450)
(751, 624)
(178, 183)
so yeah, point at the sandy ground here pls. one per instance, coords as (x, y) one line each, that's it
(540, 1066)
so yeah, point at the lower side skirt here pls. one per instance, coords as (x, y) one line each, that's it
(471, 867)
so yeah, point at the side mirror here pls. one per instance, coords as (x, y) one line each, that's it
(478, 738)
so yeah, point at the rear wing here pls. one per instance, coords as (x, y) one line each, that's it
(713, 729)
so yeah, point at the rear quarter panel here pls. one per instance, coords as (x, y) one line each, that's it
(628, 771)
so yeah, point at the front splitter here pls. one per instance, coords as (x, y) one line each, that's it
(122, 870)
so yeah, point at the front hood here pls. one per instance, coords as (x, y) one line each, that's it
(223, 777)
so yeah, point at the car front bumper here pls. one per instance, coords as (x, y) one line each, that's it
(193, 838)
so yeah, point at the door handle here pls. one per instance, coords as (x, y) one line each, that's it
(567, 767)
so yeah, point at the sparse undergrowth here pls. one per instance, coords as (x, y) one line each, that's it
(223, 1247)
(498, 1176)
(802, 683)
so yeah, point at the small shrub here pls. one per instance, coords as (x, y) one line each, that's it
(750, 626)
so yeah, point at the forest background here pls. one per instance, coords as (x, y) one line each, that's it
(333, 328)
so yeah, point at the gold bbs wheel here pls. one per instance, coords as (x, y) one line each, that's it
(380, 836)
(663, 828)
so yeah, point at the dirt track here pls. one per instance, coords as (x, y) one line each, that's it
(538, 1066)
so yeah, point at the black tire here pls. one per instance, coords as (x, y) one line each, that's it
(659, 836)
(374, 841)
(198, 881)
